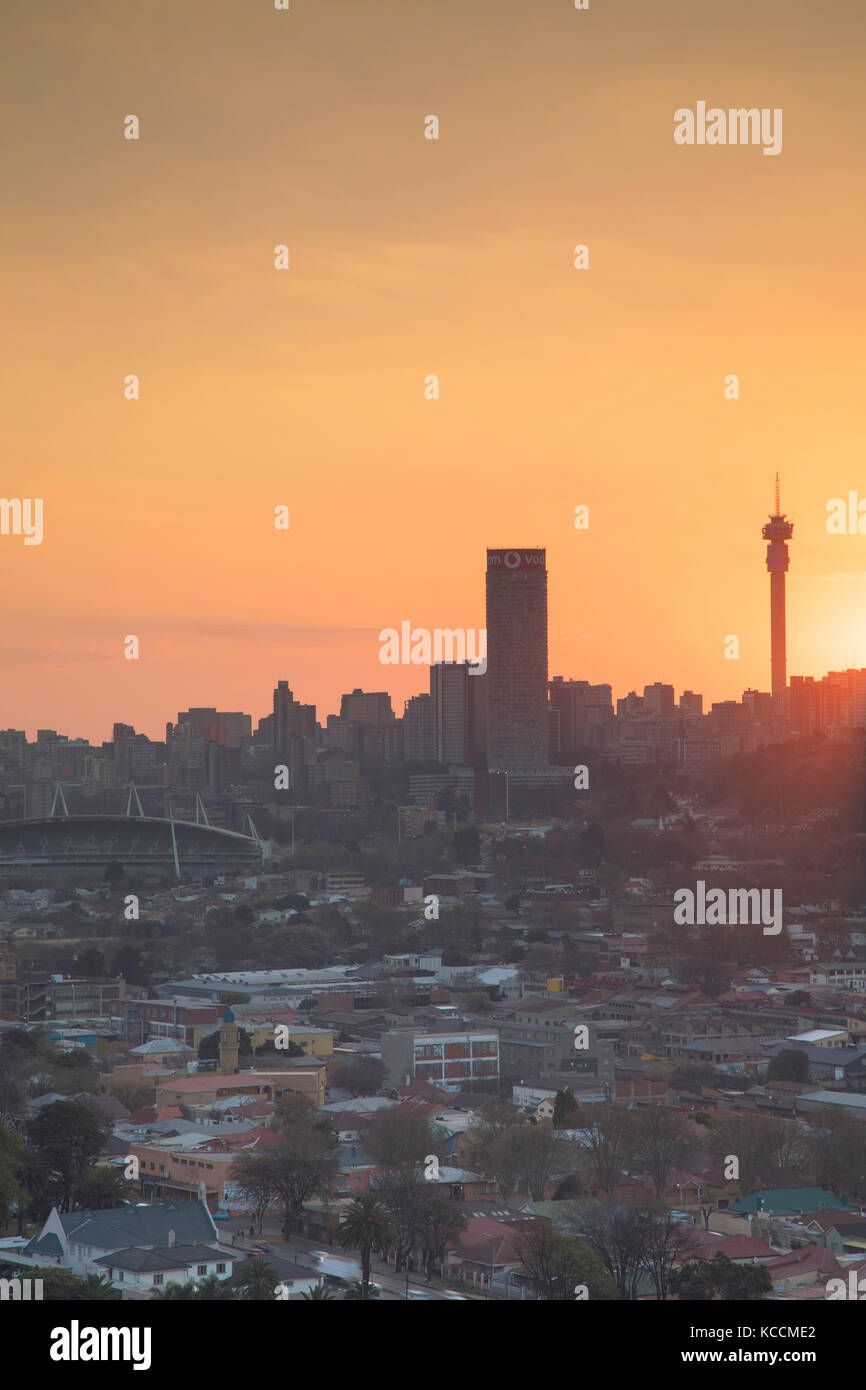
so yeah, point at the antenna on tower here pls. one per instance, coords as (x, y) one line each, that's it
(778, 511)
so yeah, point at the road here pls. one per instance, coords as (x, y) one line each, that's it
(299, 1250)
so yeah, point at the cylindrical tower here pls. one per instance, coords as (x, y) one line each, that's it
(777, 531)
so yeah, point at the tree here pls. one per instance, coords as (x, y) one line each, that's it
(61, 1285)
(211, 1289)
(476, 1001)
(295, 1170)
(69, 1138)
(90, 961)
(566, 1111)
(666, 1243)
(132, 1095)
(467, 845)
(398, 1141)
(319, 1295)
(209, 1047)
(618, 1236)
(661, 1142)
(837, 1152)
(369, 1228)
(440, 1221)
(540, 1148)
(703, 1280)
(788, 1065)
(355, 1292)
(12, 1156)
(610, 1141)
(557, 1263)
(100, 1189)
(128, 963)
(496, 1146)
(256, 1183)
(363, 1076)
(769, 1150)
(255, 1281)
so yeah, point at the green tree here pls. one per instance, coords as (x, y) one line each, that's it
(69, 1138)
(255, 1281)
(440, 1222)
(128, 962)
(556, 1264)
(90, 961)
(100, 1189)
(61, 1285)
(209, 1290)
(788, 1065)
(369, 1228)
(566, 1111)
(704, 1280)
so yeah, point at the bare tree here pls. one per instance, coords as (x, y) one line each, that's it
(667, 1242)
(662, 1141)
(555, 1263)
(541, 1148)
(610, 1143)
(619, 1237)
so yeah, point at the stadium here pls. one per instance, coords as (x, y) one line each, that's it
(152, 846)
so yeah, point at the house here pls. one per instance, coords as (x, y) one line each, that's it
(140, 1248)
(147, 1271)
(485, 1249)
(786, 1201)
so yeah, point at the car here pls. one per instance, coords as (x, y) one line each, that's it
(258, 1250)
(415, 1294)
(449, 1293)
(221, 1215)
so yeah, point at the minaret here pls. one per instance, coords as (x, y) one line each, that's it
(229, 1044)
(777, 531)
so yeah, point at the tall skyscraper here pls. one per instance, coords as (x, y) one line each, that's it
(456, 694)
(517, 718)
(777, 531)
(419, 735)
(291, 718)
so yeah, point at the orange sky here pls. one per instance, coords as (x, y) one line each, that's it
(411, 257)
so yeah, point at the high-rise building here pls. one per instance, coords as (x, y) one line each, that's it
(658, 699)
(371, 707)
(517, 721)
(690, 703)
(419, 738)
(777, 531)
(455, 693)
(291, 718)
(585, 713)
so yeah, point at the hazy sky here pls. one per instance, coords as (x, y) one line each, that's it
(305, 387)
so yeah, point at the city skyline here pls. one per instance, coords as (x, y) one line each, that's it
(310, 710)
(558, 387)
